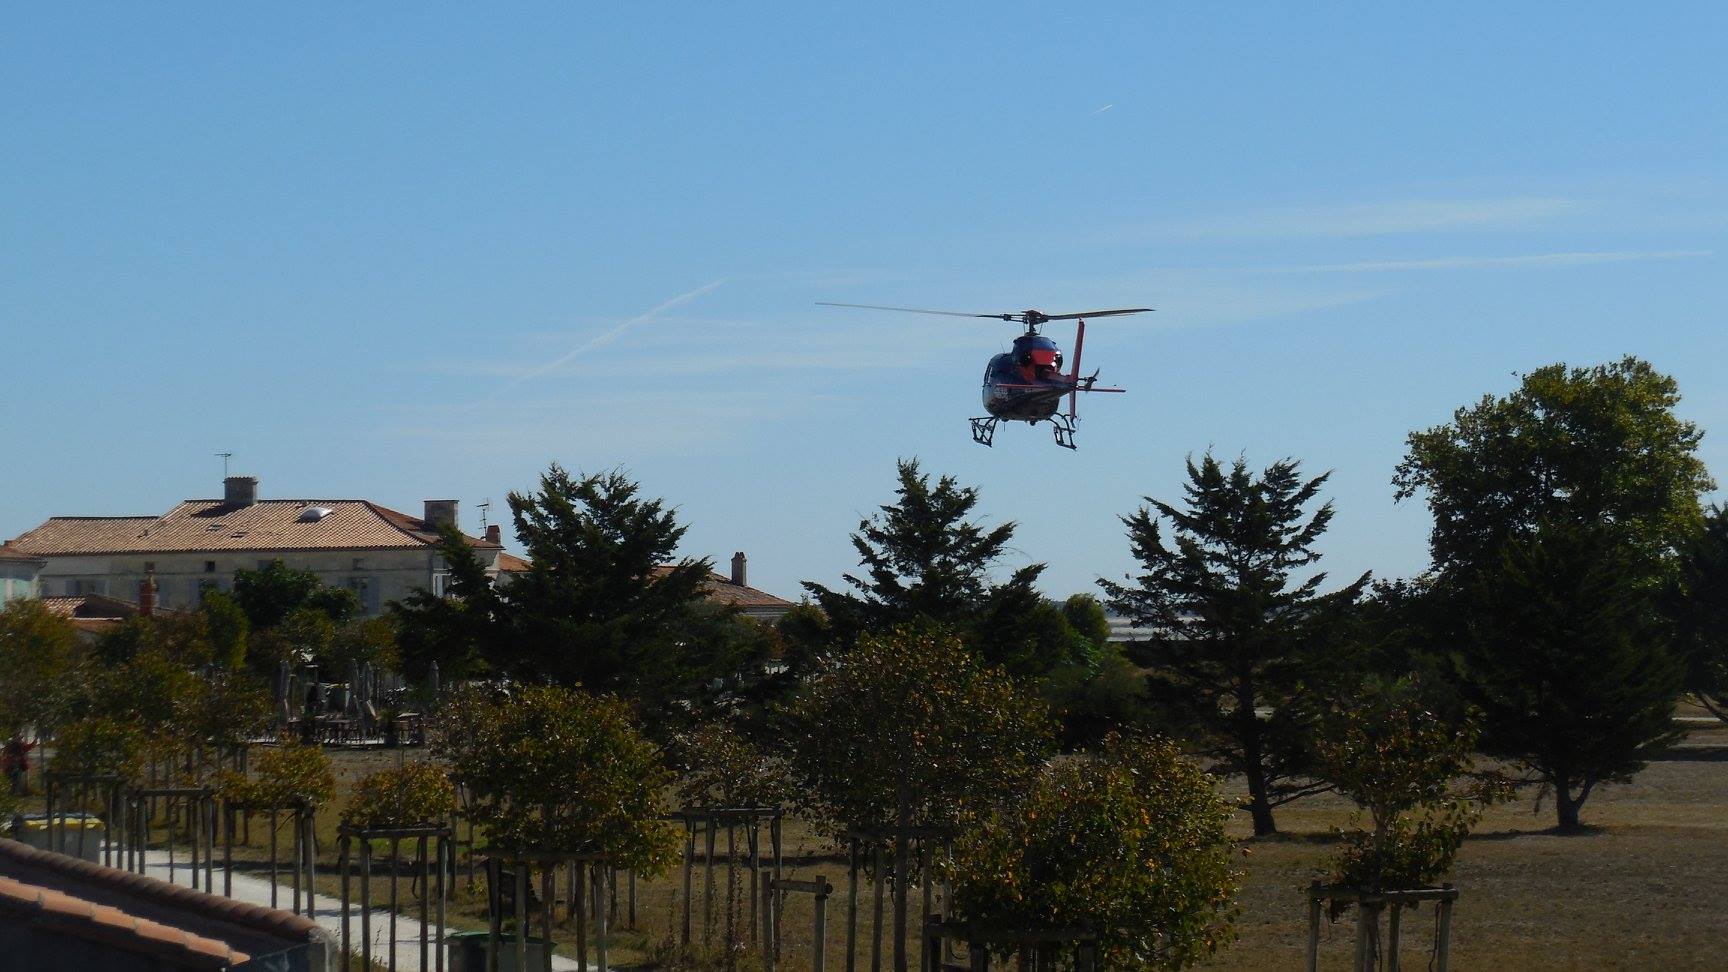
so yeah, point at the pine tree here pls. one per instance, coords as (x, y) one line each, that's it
(924, 562)
(604, 603)
(1697, 607)
(1240, 644)
(1564, 657)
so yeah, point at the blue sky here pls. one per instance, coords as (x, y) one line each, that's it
(400, 252)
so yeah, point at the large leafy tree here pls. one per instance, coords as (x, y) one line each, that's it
(923, 561)
(1565, 658)
(1240, 642)
(1590, 473)
(1579, 446)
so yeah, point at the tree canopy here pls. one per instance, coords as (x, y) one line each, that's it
(925, 562)
(1563, 655)
(1128, 842)
(911, 722)
(1239, 641)
(1578, 446)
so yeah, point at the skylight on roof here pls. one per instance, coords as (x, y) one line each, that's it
(312, 514)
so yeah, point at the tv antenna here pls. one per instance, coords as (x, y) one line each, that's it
(225, 456)
(483, 507)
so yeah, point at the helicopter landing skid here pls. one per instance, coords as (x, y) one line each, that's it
(984, 429)
(1063, 426)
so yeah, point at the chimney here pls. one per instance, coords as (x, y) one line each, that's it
(440, 512)
(147, 595)
(240, 490)
(739, 572)
(494, 533)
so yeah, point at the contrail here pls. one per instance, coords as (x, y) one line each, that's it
(1104, 109)
(608, 336)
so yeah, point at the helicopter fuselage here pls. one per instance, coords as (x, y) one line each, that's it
(1027, 383)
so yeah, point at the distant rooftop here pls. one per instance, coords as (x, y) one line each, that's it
(213, 525)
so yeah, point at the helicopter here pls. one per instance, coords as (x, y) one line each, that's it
(1027, 384)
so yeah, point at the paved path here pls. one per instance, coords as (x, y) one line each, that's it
(327, 912)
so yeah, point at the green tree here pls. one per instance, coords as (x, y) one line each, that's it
(41, 668)
(924, 562)
(413, 794)
(464, 631)
(1572, 446)
(1128, 843)
(603, 604)
(1411, 769)
(1564, 656)
(911, 727)
(271, 593)
(1239, 644)
(559, 769)
(1696, 605)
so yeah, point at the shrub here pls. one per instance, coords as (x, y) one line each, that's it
(1411, 771)
(721, 767)
(99, 746)
(404, 796)
(283, 775)
(1128, 843)
(912, 720)
(560, 770)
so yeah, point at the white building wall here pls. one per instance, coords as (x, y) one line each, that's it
(376, 576)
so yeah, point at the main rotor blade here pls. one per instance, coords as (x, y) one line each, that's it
(915, 310)
(1102, 313)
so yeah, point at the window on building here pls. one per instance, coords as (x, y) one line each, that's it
(440, 584)
(149, 566)
(359, 563)
(94, 585)
(209, 566)
(366, 591)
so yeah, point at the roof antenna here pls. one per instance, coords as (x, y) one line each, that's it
(483, 507)
(225, 456)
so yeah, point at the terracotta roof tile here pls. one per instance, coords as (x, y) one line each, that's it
(31, 881)
(719, 589)
(213, 525)
(8, 552)
(76, 916)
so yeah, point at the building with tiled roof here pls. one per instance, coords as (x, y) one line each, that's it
(379, 553)
(721, 590)
(62, 913)
(19, 573)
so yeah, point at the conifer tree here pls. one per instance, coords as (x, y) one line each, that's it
(925, 562)
(1240, 643)
(1697, 607)
(1564, 657)
(604, 603)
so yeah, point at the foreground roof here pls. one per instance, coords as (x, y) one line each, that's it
(209, 526)
(151, 919)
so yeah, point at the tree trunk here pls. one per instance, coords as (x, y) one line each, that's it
(1248, 727)
(1566, 805)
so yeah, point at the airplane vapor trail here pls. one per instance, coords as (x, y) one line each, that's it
(608, 336)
